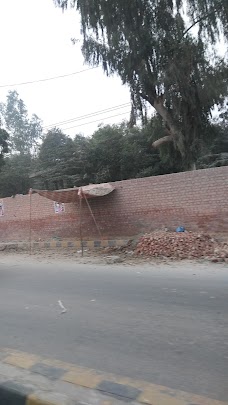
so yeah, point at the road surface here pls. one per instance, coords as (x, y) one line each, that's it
(167, 324)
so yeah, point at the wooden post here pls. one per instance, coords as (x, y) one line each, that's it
(94, 219)
(30, 221)
(80, 226)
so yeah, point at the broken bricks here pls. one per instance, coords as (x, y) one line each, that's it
(190, 245)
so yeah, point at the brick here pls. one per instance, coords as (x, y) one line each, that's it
(198, 200)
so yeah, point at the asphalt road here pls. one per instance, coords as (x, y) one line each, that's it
(164, 324)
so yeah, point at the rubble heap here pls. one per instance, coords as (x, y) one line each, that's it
(186, 245)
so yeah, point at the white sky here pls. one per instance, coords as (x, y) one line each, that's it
(35, 44)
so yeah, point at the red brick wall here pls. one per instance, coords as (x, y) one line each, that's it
(198, 200)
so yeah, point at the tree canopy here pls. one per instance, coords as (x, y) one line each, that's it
(24, 132)
(56, 162)
(3, 144)
(111, 153)
(150, 46)
(14, 176)
(18, 145)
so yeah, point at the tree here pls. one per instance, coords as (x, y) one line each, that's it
(105, 153)
(150, 47)
(14, 177)
(24, 131)
(82, 156)
(3, 145)
(117, 152)
(111, 153)
(22, 142)
(57, 163)
(216, 153)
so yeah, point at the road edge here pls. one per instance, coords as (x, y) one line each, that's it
(28, 379)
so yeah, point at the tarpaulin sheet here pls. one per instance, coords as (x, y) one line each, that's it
(70, 195)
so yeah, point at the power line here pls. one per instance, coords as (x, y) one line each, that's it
(88, 115)
(48, 78)
(91, 122)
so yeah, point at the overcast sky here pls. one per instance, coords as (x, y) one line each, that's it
(36, 44)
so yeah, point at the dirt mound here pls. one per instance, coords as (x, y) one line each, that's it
(184, 245)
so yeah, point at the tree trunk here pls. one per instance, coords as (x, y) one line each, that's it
(175, 133)
(161, 141)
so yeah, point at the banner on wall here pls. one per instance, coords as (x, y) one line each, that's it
(1, 208)
(59, 207)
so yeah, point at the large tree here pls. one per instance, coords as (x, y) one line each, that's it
(57, 165)
(24, 131)
(151, 47)
(20, 142)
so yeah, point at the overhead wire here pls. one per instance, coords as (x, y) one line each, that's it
(110, 109)
(76, 118)
(99, 120)
(48, 78)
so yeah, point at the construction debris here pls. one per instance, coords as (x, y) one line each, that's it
(187, 245)
(62, 307)
(113, 259)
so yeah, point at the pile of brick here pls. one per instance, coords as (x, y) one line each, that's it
(186, 245)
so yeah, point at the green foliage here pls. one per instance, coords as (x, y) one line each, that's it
(3, 145)
(105, 153)
(112, 153)
(21, 142)
(62, 162)
(210, 16)
(84, 164)
(216, 153)
(14, 178)
(150, 47)
(24, 132)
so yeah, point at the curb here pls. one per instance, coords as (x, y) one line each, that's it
(53, 244)
(28, 379)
